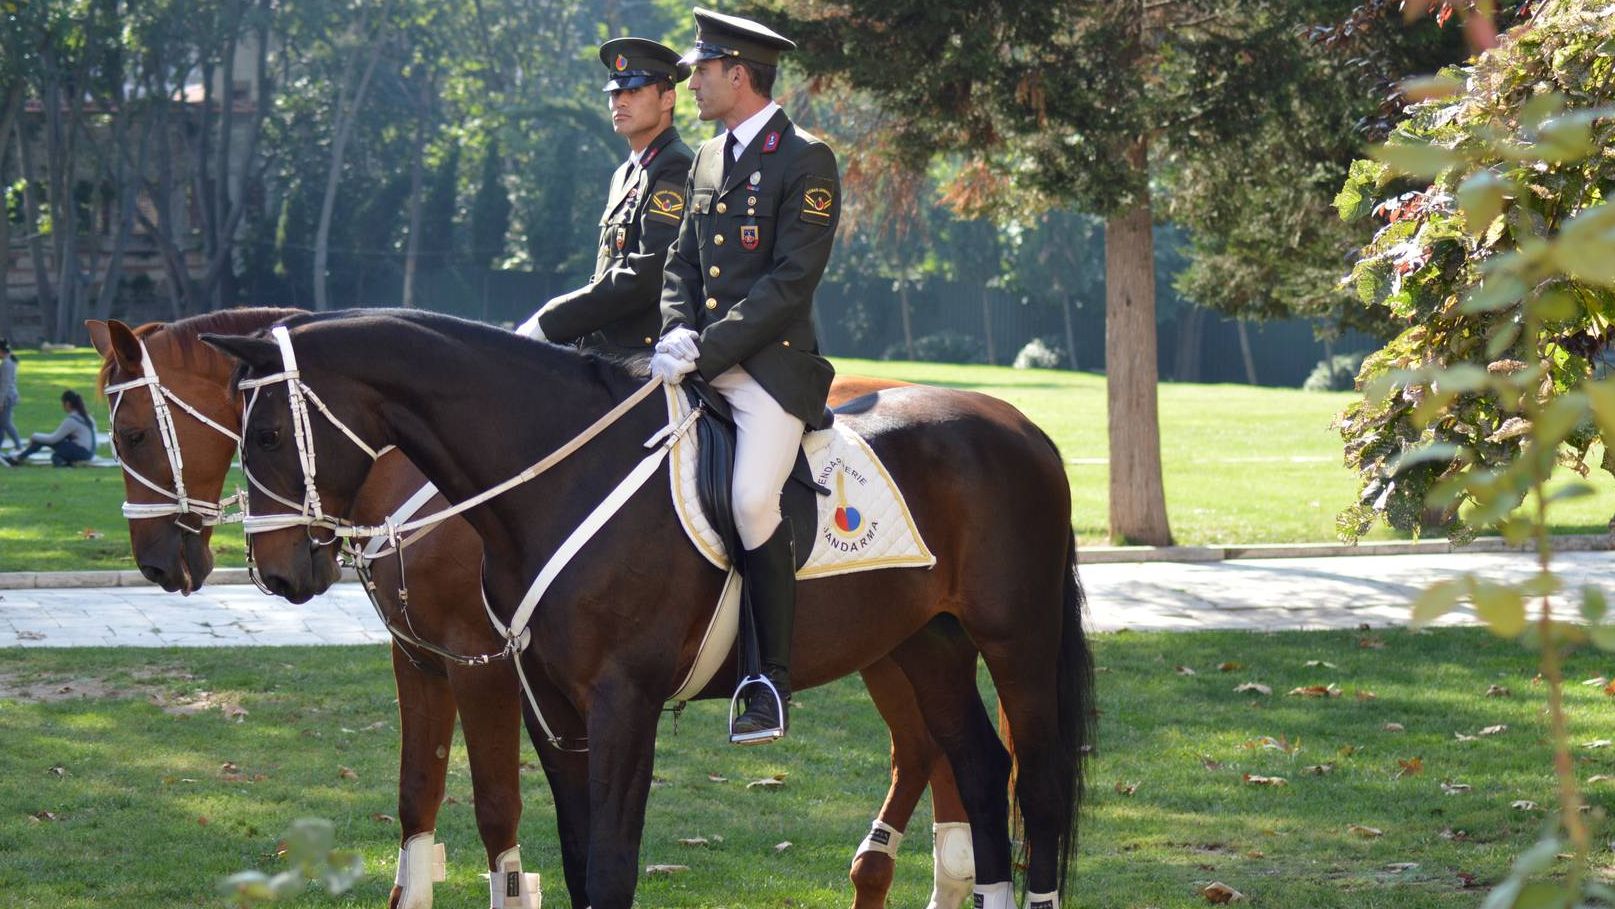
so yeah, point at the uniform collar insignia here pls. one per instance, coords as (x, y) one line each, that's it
(771, 142)
(650, 153)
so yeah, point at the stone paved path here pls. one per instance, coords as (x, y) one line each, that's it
(1250, 594)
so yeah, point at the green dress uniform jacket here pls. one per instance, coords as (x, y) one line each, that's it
(749, 257)
(618, 308)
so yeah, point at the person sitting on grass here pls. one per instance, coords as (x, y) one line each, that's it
(73, 442)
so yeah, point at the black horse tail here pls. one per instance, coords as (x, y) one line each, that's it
(1075, 707)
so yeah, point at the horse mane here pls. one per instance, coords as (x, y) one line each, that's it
(185, 334)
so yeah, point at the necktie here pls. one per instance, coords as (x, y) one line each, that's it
(729, 156)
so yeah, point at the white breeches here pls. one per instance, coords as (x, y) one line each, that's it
(766, 441)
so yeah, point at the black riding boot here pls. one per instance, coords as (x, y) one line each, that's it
(770, 579)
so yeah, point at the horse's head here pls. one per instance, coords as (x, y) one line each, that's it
(305, 458)
(172, 428)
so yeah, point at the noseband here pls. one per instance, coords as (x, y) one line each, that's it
(180, 502)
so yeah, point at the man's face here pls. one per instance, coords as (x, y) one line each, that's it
(638, 111)
(715, 91)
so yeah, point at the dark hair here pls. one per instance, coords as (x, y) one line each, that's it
(665, 86)
(72, 399)
(762, 75)
(5, 346)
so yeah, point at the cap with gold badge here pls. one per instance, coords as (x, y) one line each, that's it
(719, 36)
(635, 62)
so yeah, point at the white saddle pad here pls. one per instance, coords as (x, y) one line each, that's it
(863, 525)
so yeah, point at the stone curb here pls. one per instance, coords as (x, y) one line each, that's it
(1091, 555)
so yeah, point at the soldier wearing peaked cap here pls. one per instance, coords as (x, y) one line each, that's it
(737, 307)
(618, 309)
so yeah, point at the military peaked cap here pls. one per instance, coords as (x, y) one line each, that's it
(718, 36)
(633, 62)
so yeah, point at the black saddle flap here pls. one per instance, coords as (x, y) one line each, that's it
(714, 478)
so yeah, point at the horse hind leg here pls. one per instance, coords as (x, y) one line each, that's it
(490, 709)
(916, 760)
(940, 664)
(1045, 683)
(426, 710)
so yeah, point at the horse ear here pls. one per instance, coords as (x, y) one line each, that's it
(120, 344)
(261, 354)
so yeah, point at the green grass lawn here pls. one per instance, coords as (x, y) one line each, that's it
(1242, 464)
(142, 813)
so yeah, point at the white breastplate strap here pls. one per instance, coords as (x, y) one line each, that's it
(180, 501)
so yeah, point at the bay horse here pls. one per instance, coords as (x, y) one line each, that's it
(470, 405)
(170, 546)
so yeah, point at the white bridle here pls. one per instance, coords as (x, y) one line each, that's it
(311, 514)
(181, 502)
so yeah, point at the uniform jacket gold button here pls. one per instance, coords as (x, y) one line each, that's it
(751, 211)
(718, 239)
(722, 207)
(713, 271)
(649, 342)
(751, 200)
(712, 302)
(786, 343)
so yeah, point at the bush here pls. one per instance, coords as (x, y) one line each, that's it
(1337, 373)
(942, 347)
(1040, 353)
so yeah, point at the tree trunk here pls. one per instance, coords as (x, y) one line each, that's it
(30, 224)
(346, 115)
(8, 119)
(1186, 366)
(1137, 497)
(987, 326)
(1070, 332)
(903, 301)
(1245, 352)
(417, 189)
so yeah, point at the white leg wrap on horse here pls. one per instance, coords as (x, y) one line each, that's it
(420, 864)
(953, 862)
(511, 888)
(882, 837)
(995, 896)
(1042, 901)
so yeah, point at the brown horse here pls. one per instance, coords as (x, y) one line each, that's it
(471, 405)
(172, 551)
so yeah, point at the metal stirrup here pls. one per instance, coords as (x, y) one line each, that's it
(761, 736)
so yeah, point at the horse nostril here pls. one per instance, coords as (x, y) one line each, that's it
(152, 573)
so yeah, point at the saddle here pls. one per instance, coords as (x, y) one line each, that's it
(715, 468)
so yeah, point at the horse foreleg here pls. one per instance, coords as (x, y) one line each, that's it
(916, 760)
(567, 772)
(489, 712)
(622, 749)
(940, 662)
(426, 710)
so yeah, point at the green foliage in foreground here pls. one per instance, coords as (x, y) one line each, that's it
(1243, 464)
(109, 801)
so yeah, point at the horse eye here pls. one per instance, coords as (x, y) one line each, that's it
(268, 438)
(134, 437)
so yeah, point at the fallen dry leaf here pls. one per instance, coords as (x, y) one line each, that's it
(1412, 767)
(1399, 867)
(1371, 643)
(90, 533)
(1465, 738)
(38, 816)
(1498, 691)
(229, 767)
(1321, 769)
(57, 771)
(1523, 805)
(782, 846)
(1366, 833)
(1495, 730)
(202, 821)
(1315, 664)
(1257, 687)
(1598, 743)
(1126, 788)
(767, 782)
(1183, 670)
(1257, 780)
(1455, 788)
(1366, 695)
(1394, 727)
(1599, 778)
(1219, 893)
(1610, 689)
(1316, 691)
(30, 636)
(713, 777)
(384, 819)
(347, 773)
(693, 841)
(1457, 836)
(1230, 666)
(1210, 763)
(665, 869)
(1596, 680)
(1274, 744)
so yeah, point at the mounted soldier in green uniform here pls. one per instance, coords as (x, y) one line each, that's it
(618, 309)
(737, 307)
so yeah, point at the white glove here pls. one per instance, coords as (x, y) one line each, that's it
(531, 329)
(681, 343)
(670, 369)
